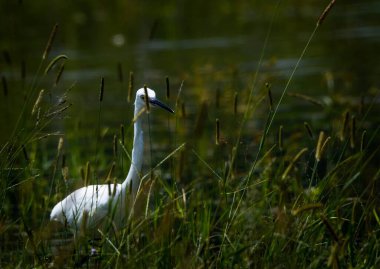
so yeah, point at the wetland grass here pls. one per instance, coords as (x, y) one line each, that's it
(167, 88)
(217, 132)
(131, 86)
(302, 203)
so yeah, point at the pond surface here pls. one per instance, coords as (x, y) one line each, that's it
(206, 45)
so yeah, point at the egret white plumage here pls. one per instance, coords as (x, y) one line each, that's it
(98, 201)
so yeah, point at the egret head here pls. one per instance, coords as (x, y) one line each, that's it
(141, 102)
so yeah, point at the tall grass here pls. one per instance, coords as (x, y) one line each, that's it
(291, 197)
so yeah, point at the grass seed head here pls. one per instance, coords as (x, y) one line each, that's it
(167, 88)
(325, 12)
(130, 86)
(309, 130)
(87, 174)
(280, 138)
(318, 151)
(217, 132)
(50, 42)
(270, 97)
(235, 102)
(101, 91)
(38, 101)
(60, 146)
(343, 130)
(352, 131)
(115, 146)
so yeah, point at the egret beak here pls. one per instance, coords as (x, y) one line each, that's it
(156, 102)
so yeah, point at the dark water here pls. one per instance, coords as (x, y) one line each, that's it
(210, 46)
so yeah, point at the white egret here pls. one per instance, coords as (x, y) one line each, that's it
(109, 200)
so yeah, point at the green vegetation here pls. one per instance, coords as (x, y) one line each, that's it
(254, 187)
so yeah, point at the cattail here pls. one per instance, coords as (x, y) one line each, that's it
(270, 97)
(50, 42)
(115, 146)
(235, 103)
(65, 173)
(87, 174)
(120, 72)
(217, 132)
(325, 144)
(5, 85)
(319, 146)
(167, 88)
(325, 12)
(322, 142)
(147, 105)
(280, 140)
(60, 146)
(308, 129)
(101, 92)
(122, 134)
(343, 130)
(184, 197)
(38, 101)
(352, 131)
(130, 86)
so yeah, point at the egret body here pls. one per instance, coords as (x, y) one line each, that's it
(109, 200)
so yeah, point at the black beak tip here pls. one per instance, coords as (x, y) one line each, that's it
(157, 102)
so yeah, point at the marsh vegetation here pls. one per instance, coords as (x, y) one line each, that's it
(271, 159)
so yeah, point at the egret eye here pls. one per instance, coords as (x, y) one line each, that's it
(142, 97)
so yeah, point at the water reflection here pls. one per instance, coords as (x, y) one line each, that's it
(208, 48)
